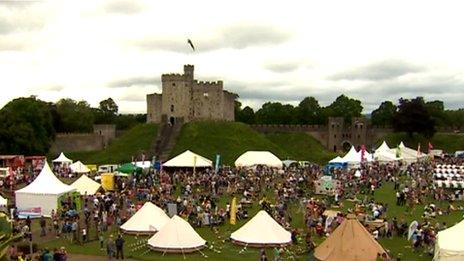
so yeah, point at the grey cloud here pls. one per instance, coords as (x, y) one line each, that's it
(448, 88)
(134, 81)
(236, 37)
(135, 97)
(53, 88)
(124, 7)
(282, 67)
(24, 20)
(388, 69)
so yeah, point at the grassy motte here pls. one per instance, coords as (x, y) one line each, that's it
(229, 139)
(301, 146)
(131, 143)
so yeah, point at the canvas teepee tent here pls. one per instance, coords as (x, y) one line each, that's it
(147, 220)
(450, 244)
(261, 231)
(349, 242)
(85, 185)
(177, 236)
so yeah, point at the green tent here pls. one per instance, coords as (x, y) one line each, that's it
(129, 168)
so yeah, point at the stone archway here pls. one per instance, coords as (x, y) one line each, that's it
(346, 145)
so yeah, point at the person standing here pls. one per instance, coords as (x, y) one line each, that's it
(110, 248)
(42, 226)
(120, 247)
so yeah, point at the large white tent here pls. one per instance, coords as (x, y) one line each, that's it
(352, 156)
(337, 159)
(253, 158)
(43, 192)
(85, 185)
(382, 147)
(147, 220)
(62, 159)
(79, 167)
(177, 236)
(450, 244)
(261, 231)
(188, 159)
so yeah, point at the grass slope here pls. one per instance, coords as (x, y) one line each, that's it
(229, 139)
(449, 142)
(301, 146)
(121, 150)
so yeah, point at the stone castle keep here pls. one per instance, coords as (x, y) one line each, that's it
(185, 99)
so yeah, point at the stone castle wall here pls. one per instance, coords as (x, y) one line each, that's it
(69, 142)
(102, 135)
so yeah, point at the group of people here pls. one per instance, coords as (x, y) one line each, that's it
(196, 196)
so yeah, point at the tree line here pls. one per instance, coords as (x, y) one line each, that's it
(29, 124)
(408, 115)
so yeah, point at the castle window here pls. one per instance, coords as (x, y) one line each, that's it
(173, 84)
(335, 135)
(172, 108)
(205, 94)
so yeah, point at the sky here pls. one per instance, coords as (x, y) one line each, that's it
(263, 50)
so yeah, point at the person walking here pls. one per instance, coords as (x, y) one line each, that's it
(120, 247)
(42, 226)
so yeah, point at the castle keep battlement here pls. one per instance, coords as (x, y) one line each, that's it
(187, 98)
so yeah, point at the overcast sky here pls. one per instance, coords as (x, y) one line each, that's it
(262, 50)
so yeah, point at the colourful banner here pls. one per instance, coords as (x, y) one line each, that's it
(233, 212)
(398, 151)
(216, 167)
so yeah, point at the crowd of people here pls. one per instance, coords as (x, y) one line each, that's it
(197, 195)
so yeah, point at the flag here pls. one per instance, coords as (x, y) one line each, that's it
(191, 44)
(233, 211)
(430, 147)
(194, 163)
(216, 167)
(143, 157)
(418, 149)
(363, 152)
(398, 151)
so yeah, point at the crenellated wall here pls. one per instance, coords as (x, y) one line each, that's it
(184, 97)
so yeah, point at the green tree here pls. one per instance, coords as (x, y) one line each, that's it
(309, 111)
(276, 113)
(344, 107)
(108, 106)
(75, 116)
(413, 117)
(436, 110)
(383, 116)
(27, 127)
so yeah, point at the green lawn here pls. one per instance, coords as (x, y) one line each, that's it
(229, 139)
(301, 146)
(221, 249)
(449, 142)
(132, 143)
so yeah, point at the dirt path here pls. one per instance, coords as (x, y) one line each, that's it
(75, 257)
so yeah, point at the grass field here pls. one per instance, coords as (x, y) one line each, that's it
(121, 150)
(222, 249)
(448, 142)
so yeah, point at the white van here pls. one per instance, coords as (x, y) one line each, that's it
(110, 168)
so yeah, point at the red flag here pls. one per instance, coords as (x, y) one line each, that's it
(430, 147)
(363, 152)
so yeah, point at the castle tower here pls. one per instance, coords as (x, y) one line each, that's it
(188, 71)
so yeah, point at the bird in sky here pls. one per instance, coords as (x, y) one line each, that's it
(191, 44)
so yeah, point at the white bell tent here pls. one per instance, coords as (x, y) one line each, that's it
(253, 158)
(85, 185)
(188, 159)
(147, 220)
(450, 244)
